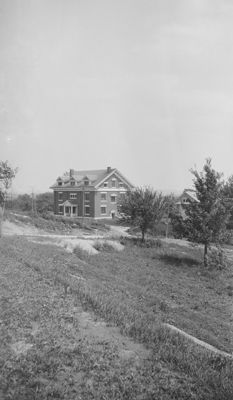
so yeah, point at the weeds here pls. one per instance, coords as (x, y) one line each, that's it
(80, 253)
(102, 245)
(136, 293)
(136, 241)
(216, 258)
(177, 259)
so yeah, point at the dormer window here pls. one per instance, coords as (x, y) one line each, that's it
(59, 181)
(86, 182)
(72, 183)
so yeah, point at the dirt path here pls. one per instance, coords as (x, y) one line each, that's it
(26, 291)
(81, 239)
(117, 230)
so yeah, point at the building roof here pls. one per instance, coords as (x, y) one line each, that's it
(95, 177)
(92, 175)
(190, 193)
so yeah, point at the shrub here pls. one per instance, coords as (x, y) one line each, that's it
(229, 289)
(179, 229)
(80, 253)
(216, 258)
(100, 245)
(153, 243)
(177, 259)
(228, 237)
(48, 216)
(136, 241)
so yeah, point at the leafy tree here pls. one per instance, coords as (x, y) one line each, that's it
(23, 202)
(228, 194)
(206, 219)
(178, 224)
(44, 202)
(144, 208)
(7, 173)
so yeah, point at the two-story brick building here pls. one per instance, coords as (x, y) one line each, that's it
(91, 194)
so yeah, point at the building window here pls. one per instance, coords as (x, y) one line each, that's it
(60, 195)
(73, 195)
(87, 196)
(72, 183)
(105, 184)
(113, 182)
(86, 182)
(103, 196)
(59, 183)
(121, 185)
(60, 209)
(87, 210)
(113, 198)
(103, 210)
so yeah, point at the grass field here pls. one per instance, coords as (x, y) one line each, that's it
(58, 313)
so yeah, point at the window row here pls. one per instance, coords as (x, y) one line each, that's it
(72, 182)
(113, 184)
(74, 196)
(103, 197)
(86, 183)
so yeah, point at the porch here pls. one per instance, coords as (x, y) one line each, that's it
(68, 209)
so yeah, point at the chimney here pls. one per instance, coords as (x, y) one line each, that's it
(109, 170)
(71, 172)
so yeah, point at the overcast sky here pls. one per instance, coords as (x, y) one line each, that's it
(145, 86)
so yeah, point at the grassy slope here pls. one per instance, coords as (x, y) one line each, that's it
(168, 286)
(54, 223)
(136, 289)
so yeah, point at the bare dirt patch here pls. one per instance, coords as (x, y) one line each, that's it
(101, 332)
(83, 240)
(21, 347)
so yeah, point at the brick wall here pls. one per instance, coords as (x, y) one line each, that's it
(76, 202)
(90, 203)
(109, 206)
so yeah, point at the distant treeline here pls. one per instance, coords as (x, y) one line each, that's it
(41, 203)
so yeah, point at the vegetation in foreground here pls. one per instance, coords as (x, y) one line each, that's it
(136, 290)
(53, 223)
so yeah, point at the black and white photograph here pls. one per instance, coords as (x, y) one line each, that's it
(116, 199)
